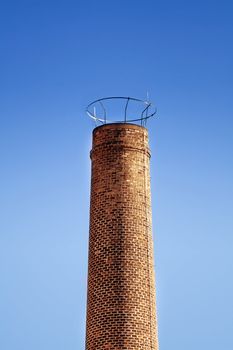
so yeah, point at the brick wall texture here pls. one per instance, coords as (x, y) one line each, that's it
(121, 313)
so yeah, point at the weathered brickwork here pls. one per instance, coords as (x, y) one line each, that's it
(121, 311)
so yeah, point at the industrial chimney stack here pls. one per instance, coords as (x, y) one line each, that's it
(121, 312)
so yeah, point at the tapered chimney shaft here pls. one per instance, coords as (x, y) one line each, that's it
(121, 313)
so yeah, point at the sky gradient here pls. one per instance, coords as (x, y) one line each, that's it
(55, 58)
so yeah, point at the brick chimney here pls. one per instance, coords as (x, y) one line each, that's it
(121, 313)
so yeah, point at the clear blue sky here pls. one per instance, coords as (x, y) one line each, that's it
(56, 57)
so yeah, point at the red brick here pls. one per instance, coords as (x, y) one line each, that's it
(121, 312)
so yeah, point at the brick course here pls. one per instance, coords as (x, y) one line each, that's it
(121, 313)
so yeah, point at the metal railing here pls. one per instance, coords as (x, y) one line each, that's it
(145, 111)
